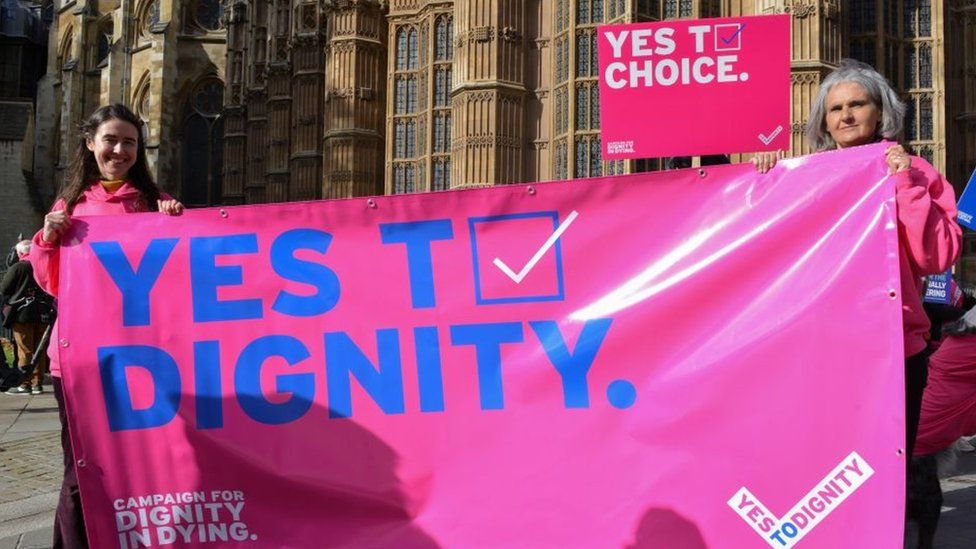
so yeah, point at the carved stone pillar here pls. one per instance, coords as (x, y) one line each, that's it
(489, 93)
(355, 95)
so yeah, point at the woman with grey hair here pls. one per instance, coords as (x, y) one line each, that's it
(856, 106)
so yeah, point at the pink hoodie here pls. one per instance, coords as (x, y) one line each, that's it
(929, 240)
(45, 256)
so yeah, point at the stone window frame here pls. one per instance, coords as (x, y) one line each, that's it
(103, 29)
(191, 109)
(142, 98)
(147, 18)
(193, 22)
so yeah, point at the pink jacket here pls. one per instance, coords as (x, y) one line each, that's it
(949, 401)
(929, 240)
(45, 256)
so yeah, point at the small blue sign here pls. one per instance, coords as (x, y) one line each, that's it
(967, 204)
(940, 288)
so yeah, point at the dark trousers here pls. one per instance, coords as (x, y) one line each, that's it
(69, 524)
(916, 377)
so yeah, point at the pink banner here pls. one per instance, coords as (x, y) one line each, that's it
(685, 359)
(695, 87)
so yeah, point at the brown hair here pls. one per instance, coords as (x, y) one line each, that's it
(83, 171)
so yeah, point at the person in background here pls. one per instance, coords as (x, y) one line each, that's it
(28, 318)
(109, 174)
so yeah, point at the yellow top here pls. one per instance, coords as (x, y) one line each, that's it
(112, 186)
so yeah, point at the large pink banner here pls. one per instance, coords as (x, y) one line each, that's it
(694, 87)
(684, 359)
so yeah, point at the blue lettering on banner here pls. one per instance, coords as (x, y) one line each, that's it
(112, 364)
(487, 340)
(381, 381)
(417, 236)
(247, 380)
(207, 276)
(344, 359)
(135, 285)
(573, 367)
(324, 279)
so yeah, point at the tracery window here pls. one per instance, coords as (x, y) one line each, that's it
(911, 67)
(406, 94)
(589, 11)
(670, 9)
(442, 86)
(685, 8)
(588, 163)
(587, 63)
(401, 50)
(562, 59)
(442, 174)
(404, 177)
(862, 16)
(148, 18)
(142, 101)
(560, 158)
(561, 111)
(444, 35)
(588, 106)
(924, 66)
(208, 14)
(202, 142)
(925, 118)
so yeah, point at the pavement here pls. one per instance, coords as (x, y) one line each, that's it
(31, 467)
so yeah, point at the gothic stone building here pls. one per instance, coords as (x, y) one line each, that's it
(252, 101)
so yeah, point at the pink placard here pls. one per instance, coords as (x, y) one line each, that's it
(695, 87)
(653, 360)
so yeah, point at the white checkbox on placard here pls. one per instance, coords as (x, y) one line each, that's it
(728, 37)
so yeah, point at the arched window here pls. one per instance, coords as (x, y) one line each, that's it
(401, 50)
(203, 136)
(444, 33)
(142, 99)
(148, 17)
(412, 50)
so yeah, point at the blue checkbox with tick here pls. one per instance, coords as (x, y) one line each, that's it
(729, 37)
(518, 258)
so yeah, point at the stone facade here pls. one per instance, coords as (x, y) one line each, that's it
(335, 98)
(163, 58)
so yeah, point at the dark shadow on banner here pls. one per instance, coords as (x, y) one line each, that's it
(661, 528)
(331, 484)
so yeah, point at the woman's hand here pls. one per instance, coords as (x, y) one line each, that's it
(898, 160)
(764, 161)
(170, 207)
(55, 224)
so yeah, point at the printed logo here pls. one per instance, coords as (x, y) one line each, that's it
(620, 147)
(181, 517)
(812, 508)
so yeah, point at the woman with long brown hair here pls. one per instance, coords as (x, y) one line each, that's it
(108, 175)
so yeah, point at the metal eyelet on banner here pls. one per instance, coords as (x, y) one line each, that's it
(530, 190)
(81, 463)
(371, 203)
(701, 172)
(64, 342)
(892, 294)
(223, 212)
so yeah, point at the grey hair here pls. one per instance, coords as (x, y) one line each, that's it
(23, 247)
(878, 88)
